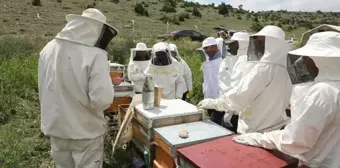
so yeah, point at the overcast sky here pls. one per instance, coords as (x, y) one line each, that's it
(291, 5)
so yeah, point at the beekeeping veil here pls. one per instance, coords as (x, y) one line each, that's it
(174, 52)
(269, 45)
(162, 67)
(89, 29)
(140, 56)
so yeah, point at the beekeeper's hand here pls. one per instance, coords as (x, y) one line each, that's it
(252, 139)
(190, 94)
(207, 104)
(117, 81)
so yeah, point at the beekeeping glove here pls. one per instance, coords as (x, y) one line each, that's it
(255, 139)
(207, 104)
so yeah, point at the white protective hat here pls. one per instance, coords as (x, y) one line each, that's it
(271, 31)
(141, 47)
(93, 14)
(323, 44)
(209, 42)
(240, 36)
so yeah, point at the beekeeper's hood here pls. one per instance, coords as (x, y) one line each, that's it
(140, 53)
(324, 49)
(160, 54)
(275, 46)
(243, 42)
(89, 29)
(162, 68)
(173, 48)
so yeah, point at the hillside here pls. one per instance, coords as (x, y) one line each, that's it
(20, 17)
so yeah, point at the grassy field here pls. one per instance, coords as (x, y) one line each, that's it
(25, 29)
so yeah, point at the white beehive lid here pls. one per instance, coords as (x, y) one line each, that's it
(169, 108)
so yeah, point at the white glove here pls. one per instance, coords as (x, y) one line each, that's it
(255, 139)
(252, 139)
(207, 104)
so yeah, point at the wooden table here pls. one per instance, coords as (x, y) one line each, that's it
(225, 153)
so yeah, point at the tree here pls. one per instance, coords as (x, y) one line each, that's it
(223, 9)
(141, 10)
(196, 12)
(256, 26)
(36, 2)
(240, 7)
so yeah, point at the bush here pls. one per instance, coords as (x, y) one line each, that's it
(197, 13)
(92, 5)
(188, 10)
(141, 10)
(36, 2)
(239, 17)
(289, 28)
(223, 9)
(256, 26)
(189, 4)
(168, 8)
(184, 16)
(181, 18)
(59, 1)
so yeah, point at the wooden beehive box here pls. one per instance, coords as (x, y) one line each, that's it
(168, 141)
(170, 112)
(225, 153)
(123, 94)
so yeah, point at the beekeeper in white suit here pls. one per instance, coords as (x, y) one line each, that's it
(185, 70)
(231, 71)
(262, 95)
(229, 76)
(211, 89)
(139, 60)
(313, 136)
(165, 72)
(75, 88)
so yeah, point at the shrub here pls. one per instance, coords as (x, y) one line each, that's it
(141, 10)
(196, 12)
(189, 4)
(59, 1)
(36, 2)
(175, 20)
(181, 18)
(92, 5)
(168, 8)
(256, 26)
(188, 10)
(223, 9)
(239, 17)
(184, 16)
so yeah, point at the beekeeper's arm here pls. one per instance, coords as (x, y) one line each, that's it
(134, 74)
(222, 74)
(236, 99)
(100, 84)
(317, 109)
(180, 87)
(187, 75)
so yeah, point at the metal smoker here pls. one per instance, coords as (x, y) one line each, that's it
(148, 97)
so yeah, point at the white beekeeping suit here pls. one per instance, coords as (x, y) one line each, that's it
(75, 88)
(139, 61)
(262, 95)
(165, 72)
(313, 135)
(185, 69)
(228, 75)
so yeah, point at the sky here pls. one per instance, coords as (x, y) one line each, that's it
(290, 5)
